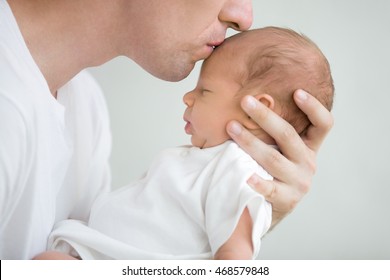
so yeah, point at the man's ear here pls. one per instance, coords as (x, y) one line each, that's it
(268, 101)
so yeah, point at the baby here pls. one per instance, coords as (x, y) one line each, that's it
(194, 202)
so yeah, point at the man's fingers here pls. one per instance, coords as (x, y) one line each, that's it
(321, 119)
(269, 158)
(265, 187)
(278, 195)
(275, 193)
(287, 139)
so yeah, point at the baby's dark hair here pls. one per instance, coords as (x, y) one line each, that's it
(284, 62)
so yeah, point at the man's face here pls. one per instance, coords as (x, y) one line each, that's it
(173, 35)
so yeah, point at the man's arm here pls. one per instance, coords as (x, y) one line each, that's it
(239, 246)
(294, 166)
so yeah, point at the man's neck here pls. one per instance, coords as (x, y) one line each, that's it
(63, 37)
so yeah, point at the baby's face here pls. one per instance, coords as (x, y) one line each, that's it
(213, 103)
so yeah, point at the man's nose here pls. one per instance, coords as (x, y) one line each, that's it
(238, 14)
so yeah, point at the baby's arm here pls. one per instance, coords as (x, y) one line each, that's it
(239, 246)
(53, 255)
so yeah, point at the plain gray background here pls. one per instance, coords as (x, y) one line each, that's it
(346, 213)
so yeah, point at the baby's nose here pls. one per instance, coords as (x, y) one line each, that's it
(188, 98)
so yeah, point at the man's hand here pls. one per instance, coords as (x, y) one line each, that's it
(294, 166)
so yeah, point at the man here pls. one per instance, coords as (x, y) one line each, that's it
(54, 131)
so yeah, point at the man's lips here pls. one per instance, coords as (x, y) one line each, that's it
(214, 44)
(208, 49)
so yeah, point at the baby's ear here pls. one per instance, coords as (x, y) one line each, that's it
(268, 101)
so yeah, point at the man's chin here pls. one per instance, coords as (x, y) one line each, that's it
(174, 75)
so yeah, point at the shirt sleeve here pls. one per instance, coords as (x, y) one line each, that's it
(89, 119)
(14, 162)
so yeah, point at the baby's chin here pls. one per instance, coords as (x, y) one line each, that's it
(205, 143)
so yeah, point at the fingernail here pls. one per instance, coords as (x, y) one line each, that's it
(302, 95)
(250, 102)
(253, 180)
(235, 128)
